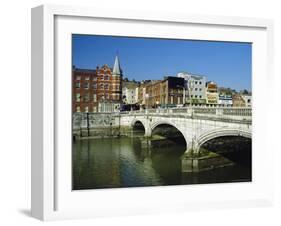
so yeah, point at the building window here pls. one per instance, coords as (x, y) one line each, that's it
(94, 85)
(200, 83)
(95, 109)
(179, 100)
(196, 89)
(106, 86)
(191, 96)
(95, 78)
(107, 96)
(195, 96)
(78, 109)
(102, 96)
(101, 86)
(195, 82)
(77, 97)
(86, 109)
(200, 96)
(87, 77)
(200, 89)
(106, 77)
(77, 85)
(95, 97)
(78, 77)
(86, 97)
(86, 85)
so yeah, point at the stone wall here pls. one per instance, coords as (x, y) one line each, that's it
(95, 125)
(99, 125)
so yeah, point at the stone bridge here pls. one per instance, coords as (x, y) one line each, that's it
(197, 125)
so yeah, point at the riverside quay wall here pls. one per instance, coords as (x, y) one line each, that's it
(98, 125)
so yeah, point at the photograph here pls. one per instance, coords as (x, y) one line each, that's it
(150, 111)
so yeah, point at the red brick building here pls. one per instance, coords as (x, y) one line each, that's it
(98, 90)
(165, 93)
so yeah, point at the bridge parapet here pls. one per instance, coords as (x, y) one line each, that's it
(216, 113)
(238, 111)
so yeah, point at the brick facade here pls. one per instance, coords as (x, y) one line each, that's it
(92, 88)
(162, 92)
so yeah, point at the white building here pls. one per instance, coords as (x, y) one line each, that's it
(195, 87)
(225, 100)
(248, 100)
(130, 92)
(108, 107)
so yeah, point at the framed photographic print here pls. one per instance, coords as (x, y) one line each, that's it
(135, 112)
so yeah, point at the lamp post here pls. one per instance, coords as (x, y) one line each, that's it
(146, 100)
(183, 96)
(190, 87)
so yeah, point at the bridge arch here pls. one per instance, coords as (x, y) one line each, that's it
(220, 133)
(135, 120)
(143, 123)
(166, 122)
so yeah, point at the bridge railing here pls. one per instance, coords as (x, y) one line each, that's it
(219, 111)
(237, 111)
(188, 111)
(209, 111)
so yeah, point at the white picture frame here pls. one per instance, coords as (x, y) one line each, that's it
(51, 196)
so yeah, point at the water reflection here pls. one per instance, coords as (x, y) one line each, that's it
(122, 162)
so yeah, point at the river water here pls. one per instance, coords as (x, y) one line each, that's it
(122, 162)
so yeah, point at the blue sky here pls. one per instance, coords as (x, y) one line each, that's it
(229, 64)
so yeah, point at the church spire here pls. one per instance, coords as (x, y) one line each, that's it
(117, 69)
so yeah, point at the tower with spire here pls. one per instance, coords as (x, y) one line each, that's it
(117, 71)
(117, 77)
